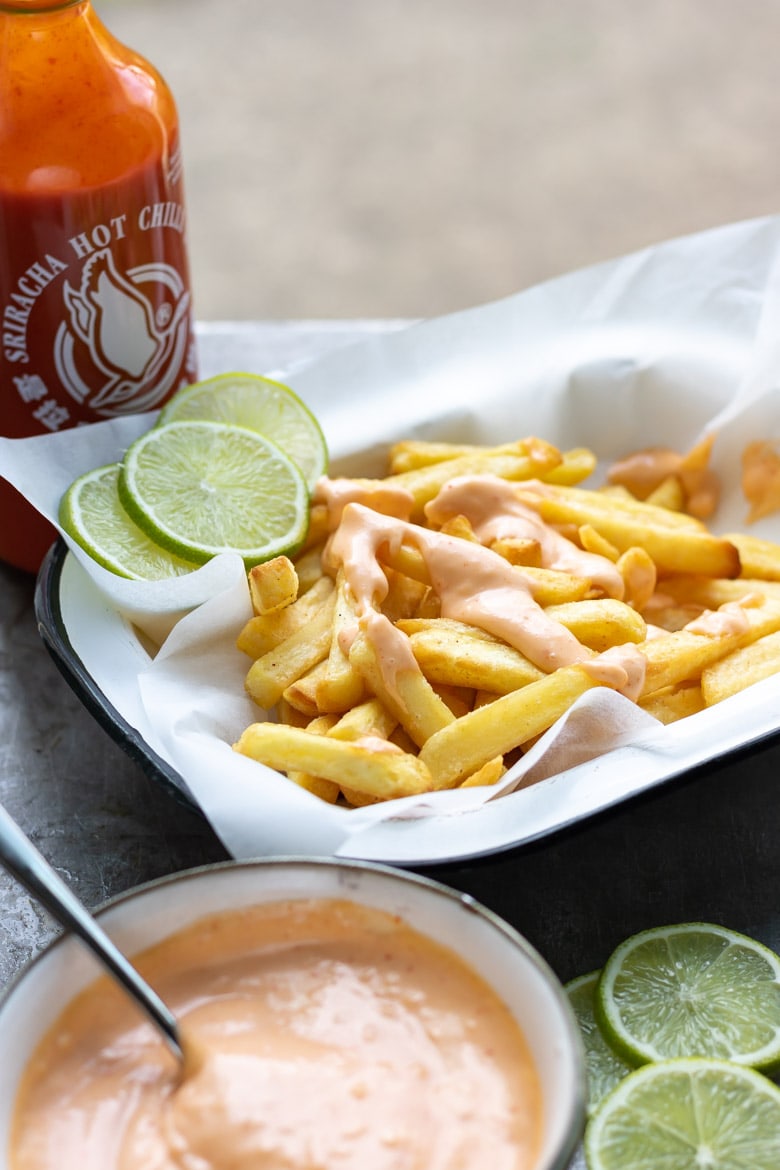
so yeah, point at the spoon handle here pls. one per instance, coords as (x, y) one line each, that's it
(30, 868)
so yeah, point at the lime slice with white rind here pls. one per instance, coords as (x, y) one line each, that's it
(203, 488)
(693, 1114)
(693, 989)
(604, 1067)
(91, 513)
(248, 400)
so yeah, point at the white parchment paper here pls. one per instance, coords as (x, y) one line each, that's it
(658, 347)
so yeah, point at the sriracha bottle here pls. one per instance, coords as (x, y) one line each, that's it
(95, 305)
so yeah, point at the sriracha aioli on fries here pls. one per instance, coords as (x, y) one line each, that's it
(474, 584)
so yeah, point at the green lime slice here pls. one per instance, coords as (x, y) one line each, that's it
(202, 488)
(248, 400)
(687, 1114)
(604, 1067)
(91, 513)
(692, 989)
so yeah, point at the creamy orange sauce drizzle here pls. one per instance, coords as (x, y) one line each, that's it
(729, 618)
(495, 513)
(330, 1035)
(476, 585)
(643, 471)
(335, 494)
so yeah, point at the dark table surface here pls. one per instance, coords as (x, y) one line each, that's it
(703, 847)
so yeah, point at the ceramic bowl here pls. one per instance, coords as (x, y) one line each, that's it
(148, 914)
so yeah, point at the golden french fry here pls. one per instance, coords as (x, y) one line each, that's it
(340, 686)
(308, 567)
(459, 526)
(319, 527)
(620, 505)
(270, 675)
(761, 478)
(683, 655)
(534, 458)
(673, 548)
(739, 669)
(668, 494)
(263, 632)
(302, 693)
(712, 592)
(519, 551)
(325, 789)
(601, 622)
(592, 541)
(368, 718)
(272, 585)
(577, 464)
(451, 653)
(673, 703)
(411, 454)
(371, 766)
(458, 698)
(286, 713)
(467, 744)
(759, 558)
(404, 691)
(405, 596)
(637, 568)
(489, 773)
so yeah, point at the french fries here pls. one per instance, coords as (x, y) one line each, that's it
(440, 620)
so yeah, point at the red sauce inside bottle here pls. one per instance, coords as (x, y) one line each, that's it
(95, 306)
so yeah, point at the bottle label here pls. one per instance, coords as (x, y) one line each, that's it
(95, 306)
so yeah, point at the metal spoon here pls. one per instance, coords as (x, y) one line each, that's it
(20, 857)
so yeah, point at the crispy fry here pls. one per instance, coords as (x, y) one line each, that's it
(452, 653)
(468, 744)
(272, 585)
(759, 558)
(739, 669)
(270, 675)
(519, 551)
(600, 623)
(673, 658)
(308, 567)
(340, 686)
(668, 494)
(534, 458)
(576, 465)
(489, 773)
(674, 548)
(370, 766)
(673, 703)
(263, 633)
(407, 693)
(318, 786)
(637, 568)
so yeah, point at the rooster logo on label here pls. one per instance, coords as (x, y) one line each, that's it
(116, 352)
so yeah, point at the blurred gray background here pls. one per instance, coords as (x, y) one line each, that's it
(381, 158)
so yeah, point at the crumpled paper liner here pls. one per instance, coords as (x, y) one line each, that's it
(657, 348)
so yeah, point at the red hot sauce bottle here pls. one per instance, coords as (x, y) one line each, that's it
(95, 307)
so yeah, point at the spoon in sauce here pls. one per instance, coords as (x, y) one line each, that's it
(20, 857)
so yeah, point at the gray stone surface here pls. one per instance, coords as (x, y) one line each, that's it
(367, 158)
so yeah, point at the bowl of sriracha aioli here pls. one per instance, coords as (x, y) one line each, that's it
(345, 1015)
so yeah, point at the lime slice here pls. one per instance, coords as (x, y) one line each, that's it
(247, 400)
(603, 1066)
(91, 513)
(692, 990)
(694, 1114)
(202, 488)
